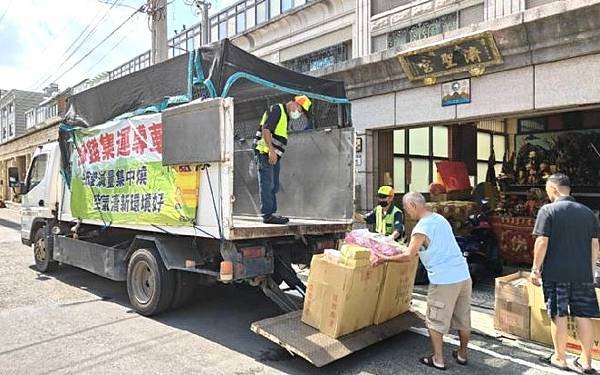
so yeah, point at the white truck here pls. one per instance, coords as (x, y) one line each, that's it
(155, 258)
(167, 198)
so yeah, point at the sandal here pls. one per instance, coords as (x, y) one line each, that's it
(548, 361)
(579, 368)
(462, 362)
(428, 361)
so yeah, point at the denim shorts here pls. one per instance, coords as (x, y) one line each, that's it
(571, 299)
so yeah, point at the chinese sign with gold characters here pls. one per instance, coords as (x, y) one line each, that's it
(473, 54)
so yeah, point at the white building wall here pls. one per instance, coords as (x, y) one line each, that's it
(513, 92)
(316, 26)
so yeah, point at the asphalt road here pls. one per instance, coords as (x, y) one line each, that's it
(75, 322)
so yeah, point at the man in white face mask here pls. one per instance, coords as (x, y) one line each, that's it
(269, 145)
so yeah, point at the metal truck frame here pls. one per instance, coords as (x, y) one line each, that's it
(161, 264)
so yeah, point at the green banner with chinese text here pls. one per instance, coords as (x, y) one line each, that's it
(118, 176)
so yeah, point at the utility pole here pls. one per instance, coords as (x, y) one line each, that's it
(157, 13)
(205, 22)
(203, 7)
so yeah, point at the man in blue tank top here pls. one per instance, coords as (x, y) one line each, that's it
(449, 295)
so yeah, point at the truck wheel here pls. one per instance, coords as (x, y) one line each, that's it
(150, 285)
(185, 286)
(42, 251)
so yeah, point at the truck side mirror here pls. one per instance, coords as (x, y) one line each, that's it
(13, 177)
(19, 189)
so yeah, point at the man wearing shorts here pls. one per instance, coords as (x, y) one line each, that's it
(565, 254)
(449, 296)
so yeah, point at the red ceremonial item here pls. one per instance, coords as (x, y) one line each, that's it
(454, 175)
(437, 188)
(514, 238)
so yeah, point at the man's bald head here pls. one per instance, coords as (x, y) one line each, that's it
(414, 204)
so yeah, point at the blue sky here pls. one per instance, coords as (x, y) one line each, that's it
(34, 35)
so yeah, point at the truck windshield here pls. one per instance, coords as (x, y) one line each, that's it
(38, 169)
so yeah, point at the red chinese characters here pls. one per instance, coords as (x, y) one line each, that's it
(134, 140)
(93, 150)
(107, 142)
(140, 139)
(123, 142)
(156, 135)
(82, 154)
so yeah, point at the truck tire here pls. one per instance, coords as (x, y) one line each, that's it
(150, 285)
(42, 251)
(185, 286)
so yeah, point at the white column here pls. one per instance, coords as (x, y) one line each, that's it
(502, 8)
(361, 29)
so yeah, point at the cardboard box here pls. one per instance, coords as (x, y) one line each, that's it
(355, 252)
(514, 288)
(355, 263)
(573, 344)
(355, 256)
(512, 313)
(396, 292)
(540, 322)
(341, 299)
(512, 318)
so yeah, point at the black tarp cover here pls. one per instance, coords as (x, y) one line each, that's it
(227, 60)
(219, 62)
(145, 87)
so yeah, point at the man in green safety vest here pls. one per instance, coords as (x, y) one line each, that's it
(388, 218)
(269, 146)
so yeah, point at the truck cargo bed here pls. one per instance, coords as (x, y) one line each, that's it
(319, 349)
(246, 227)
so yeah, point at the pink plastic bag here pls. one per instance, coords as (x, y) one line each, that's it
(359, 237)
(378, 244)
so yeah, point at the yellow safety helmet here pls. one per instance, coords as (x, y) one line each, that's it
(385, 191)
(303, 101)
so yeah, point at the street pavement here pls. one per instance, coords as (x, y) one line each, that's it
(75, 322)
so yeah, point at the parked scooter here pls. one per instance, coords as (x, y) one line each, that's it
(479, 247)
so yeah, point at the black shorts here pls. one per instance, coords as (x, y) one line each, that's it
(571, 299)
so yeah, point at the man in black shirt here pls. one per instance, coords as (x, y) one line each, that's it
(565, 254)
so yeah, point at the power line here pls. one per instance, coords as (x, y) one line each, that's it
(141, 9)
(108, 52)
(85, 38)
(119, 5)
(54, 40)
(46, 77)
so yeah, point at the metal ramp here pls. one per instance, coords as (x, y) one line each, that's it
(319, 349)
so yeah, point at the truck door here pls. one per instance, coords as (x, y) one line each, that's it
(35, 202)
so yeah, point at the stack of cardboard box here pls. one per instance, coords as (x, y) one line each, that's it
(521, 311)
(540, 324)
(512, 305)
(344, 297)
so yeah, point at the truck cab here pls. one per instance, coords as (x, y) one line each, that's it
(40, 191)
